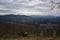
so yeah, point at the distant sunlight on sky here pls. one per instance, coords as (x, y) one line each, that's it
(28, 7)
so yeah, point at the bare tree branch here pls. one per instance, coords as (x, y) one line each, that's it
(53, 5)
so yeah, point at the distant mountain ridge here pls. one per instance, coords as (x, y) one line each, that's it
(41, 16)
(46, 18)
(28, 18)
(14, 18)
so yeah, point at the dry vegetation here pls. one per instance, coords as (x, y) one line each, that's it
(7, 32)
(31, 38)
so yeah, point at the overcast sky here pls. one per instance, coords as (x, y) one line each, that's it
(27, 7)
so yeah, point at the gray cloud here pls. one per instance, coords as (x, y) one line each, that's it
(5, 11)
(9, 6)
(20, 4)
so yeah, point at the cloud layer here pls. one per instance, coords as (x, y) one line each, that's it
(26, 7)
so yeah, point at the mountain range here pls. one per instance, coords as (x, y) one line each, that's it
(28, 18)
(14, 18)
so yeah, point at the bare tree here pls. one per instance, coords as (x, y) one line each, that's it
(54, 4)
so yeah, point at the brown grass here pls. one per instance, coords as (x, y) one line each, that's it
(30, 38)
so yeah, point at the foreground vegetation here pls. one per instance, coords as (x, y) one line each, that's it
(9, 31)
(31, 38)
